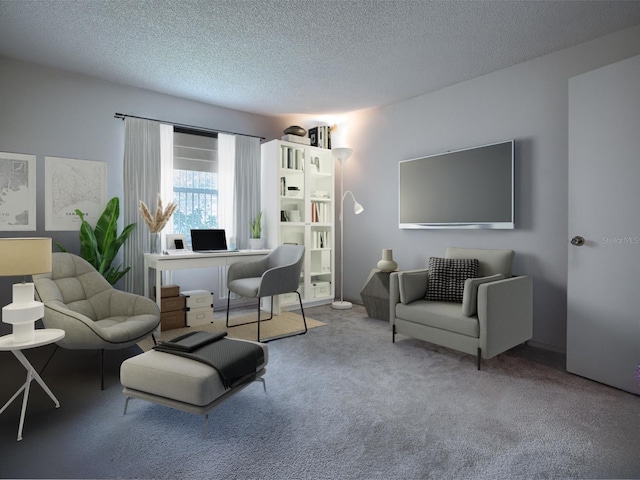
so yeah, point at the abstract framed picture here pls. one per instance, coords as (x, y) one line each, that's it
(17, 192)
(72, 185)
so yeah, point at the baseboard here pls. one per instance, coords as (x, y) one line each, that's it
(547, 346)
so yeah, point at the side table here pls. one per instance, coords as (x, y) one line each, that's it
(375, 294)
(41, 337)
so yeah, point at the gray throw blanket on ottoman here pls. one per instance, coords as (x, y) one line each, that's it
(233, 360)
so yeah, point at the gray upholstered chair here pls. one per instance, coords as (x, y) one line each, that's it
(495, 314)
(93, 314)
(275, 274)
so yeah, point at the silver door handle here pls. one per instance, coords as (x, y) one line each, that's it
(577, 241)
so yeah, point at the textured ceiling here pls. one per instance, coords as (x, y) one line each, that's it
(316, 56)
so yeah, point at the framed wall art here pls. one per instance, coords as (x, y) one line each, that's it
(73, 184)
(17, 192)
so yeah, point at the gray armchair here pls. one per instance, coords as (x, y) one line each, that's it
(496, 312)
(93, 314)
(275, 274)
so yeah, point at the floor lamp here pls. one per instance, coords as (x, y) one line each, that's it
(22, 257)
(341, 154)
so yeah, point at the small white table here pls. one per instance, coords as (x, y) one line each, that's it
(42, 337)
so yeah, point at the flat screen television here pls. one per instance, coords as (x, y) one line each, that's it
(468, 188)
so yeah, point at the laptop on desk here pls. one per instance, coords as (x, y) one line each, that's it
(209, 241)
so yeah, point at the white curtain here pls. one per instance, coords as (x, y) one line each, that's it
(226, 187)
(142, 174)
(247, 186)
(166, 175)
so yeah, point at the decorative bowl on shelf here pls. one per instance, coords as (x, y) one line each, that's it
(295, 130)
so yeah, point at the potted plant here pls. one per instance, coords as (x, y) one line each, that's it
(256, 232)
(100, 246)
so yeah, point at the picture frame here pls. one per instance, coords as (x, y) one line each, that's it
(17, 192)
(71, 185)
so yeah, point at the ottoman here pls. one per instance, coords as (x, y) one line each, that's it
(181, 383)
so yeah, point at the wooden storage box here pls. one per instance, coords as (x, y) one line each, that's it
(168, 291)
(198, 299)
(171, 320)
(171, 304)
(199, 316)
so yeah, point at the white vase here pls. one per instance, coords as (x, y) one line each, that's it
(255, 243)
(154, 242)
(387, 264)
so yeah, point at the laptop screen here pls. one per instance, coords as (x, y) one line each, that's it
(204, 240)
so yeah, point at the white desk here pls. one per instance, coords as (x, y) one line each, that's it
(41, 337)
(163, 263)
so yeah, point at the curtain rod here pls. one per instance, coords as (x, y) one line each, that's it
(192, 127)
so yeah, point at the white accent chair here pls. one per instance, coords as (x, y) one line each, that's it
(93, 314)
(496, 312)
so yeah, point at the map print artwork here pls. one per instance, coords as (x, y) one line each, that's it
(70, 185)
(17, 192)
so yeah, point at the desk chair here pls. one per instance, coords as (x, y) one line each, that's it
(275, 274)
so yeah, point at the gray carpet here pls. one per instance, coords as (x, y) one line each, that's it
(343, 402)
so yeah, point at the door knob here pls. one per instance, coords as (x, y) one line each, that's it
(577, 241)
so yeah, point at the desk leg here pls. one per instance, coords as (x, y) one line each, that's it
(31, 375)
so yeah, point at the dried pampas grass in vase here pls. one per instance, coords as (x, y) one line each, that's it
(157, 221)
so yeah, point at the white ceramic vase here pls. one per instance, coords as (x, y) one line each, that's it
(387, 264)
(255, 243)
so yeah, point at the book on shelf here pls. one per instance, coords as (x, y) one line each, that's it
(320, 136)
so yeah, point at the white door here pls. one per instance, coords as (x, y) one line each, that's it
(603, 295)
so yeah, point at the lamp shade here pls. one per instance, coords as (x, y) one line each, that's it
(24, 256)
(341, 154)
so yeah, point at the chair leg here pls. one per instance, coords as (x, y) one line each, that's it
(259, 317)
(479, 357)
(304, 319)
(254, 321)
(153, 337)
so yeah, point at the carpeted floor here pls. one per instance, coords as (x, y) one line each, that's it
(286, 323)
(342, 402)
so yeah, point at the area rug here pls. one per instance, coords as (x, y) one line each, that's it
(283, 324)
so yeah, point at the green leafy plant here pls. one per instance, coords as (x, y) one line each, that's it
(100, 246)
(256, 226)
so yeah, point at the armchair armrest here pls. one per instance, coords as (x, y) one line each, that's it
(277, 280)
(79, 329)
(405, 287)
(505, 313)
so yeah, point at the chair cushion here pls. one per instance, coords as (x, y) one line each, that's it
(246, 287)
(470, 296)
(447, 277)
(442, 315)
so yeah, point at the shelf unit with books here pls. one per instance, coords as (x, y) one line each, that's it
(298, 196)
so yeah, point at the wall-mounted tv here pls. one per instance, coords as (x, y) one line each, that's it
(468, 188)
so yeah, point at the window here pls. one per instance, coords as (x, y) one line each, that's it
(195, 181)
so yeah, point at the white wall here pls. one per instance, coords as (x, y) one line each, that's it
(49, 112)
(527, 102)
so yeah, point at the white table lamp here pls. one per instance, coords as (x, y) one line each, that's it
(22, 257)
(341, 154)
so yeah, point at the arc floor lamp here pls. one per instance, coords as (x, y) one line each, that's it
(341, 154)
